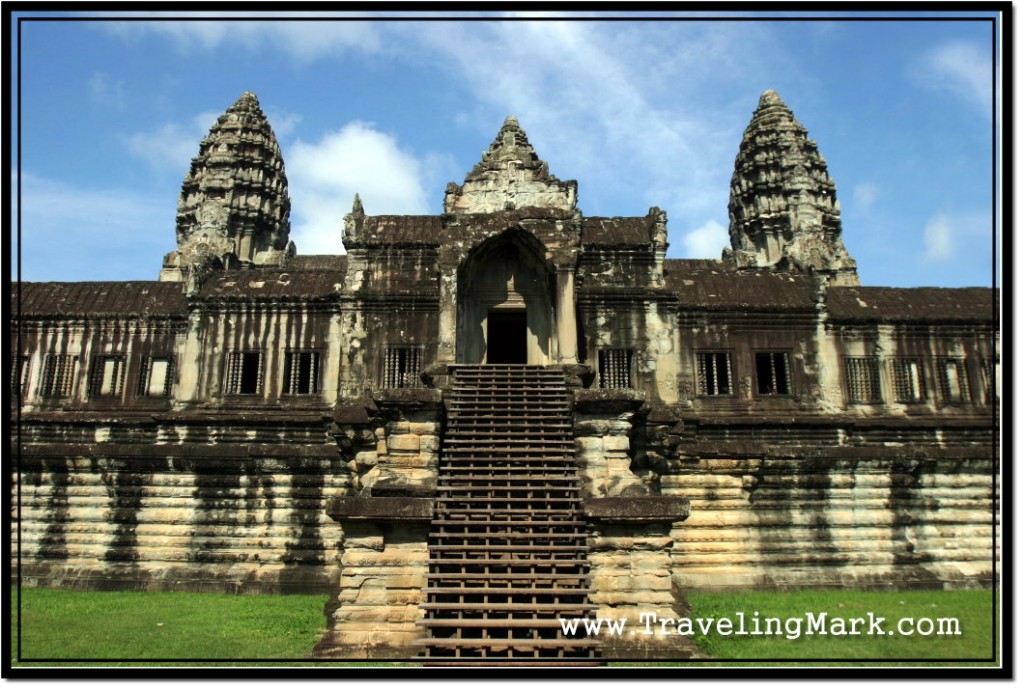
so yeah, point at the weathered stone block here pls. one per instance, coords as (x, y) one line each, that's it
(404, 442)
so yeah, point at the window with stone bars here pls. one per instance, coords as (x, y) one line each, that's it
(773, 376)
(992, 383)
(952, 375)
(908, 380)
(245, 373)
(157, 376)
(59, 375)
(106, 378)
(615, 368)
(714, 374)
(863, 384)
(402, 366)
(19, 374)
(301, 373)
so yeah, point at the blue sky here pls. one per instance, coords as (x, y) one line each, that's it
(640, 113)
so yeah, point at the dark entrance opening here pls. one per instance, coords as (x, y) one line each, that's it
(506, 337)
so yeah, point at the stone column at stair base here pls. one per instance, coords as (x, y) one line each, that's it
(384, 571)
(631, 575)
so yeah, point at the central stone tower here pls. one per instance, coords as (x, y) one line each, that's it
(234, 206)
(783, 210)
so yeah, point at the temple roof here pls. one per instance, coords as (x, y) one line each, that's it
(912, 304)
(273, 283)
(710, 284)
(617, 230)
(115, 298)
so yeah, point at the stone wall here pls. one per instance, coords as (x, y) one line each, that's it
(226, 518)
(851, 518)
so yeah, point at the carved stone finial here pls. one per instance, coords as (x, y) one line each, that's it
(769, 98)
(783, 211)
(658, 227)
(354, 220)
(509, 176)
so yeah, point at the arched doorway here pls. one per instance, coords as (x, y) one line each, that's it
(505, 303)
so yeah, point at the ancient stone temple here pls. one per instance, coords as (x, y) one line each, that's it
(477, 422)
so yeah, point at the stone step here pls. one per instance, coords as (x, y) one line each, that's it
(494, 622)
(572, 523)
(564, 610)
(504, 643)
(521, 563)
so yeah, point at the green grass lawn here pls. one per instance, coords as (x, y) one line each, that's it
(69, 625)
(87, 626)
(973, 610)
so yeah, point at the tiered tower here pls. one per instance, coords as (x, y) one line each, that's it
(234, 206)
(783, 210)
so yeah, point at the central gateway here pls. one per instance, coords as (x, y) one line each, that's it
(506, 337)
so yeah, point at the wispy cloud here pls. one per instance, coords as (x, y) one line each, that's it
(865, 195)
(172, 146)
(962, 69)
(938, 238)
(593, 98)
(325, 175)
(112, 229)
(302, 40)
(707, 241)
(106, 90)
(599, 97)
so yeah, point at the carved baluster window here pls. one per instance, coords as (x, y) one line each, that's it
(908, 380)
(952, 373)
(107, 376)
(773, 374)
(59, 375)
(615, 368)
(402, 365)
(156, 377)
(992, 381)
(19, 374)
(245, 373)
(863, 384)
(301, 373)
(714, 374)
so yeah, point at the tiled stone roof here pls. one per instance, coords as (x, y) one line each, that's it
(127, 298)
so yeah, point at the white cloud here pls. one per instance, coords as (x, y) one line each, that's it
(962, 69)
(303, 41)
(325, 176)
(106, 90)
(707, 241)
(613, 101)
(938, 238)
(172, 146)
(865, 195)
(116, 231)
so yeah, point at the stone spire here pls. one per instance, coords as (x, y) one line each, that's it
(783, 211)
(509, 176)
(234, 206)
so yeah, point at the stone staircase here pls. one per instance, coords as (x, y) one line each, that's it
(508, 550)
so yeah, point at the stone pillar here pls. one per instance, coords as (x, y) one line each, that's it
(376, 612)
(565, 316)
(448, 318)
(631, 574)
